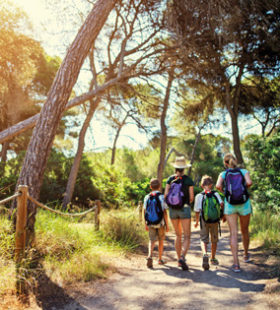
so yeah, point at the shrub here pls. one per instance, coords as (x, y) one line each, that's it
(264, 155)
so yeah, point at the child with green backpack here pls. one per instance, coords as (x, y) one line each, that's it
(209, 210)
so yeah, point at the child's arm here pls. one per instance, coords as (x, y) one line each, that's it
(144, 208)
(166, 220)
(196, 219)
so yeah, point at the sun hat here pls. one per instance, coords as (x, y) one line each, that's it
(180, 163)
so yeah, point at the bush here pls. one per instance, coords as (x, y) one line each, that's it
(264, 155)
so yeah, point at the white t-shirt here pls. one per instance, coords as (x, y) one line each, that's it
(199, 198)
(163, 206)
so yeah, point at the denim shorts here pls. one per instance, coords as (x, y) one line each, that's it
(183, 213)
(243, 209)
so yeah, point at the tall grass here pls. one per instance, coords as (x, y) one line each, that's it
(123, 228)
(7, 266)
(69, 251)
(265, 226)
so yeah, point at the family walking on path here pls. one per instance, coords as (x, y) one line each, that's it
(209, 207)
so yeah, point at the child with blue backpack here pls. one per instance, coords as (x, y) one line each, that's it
(156, 221)
(208, 207)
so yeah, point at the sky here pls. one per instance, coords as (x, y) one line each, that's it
(98, 136)
(50, 33)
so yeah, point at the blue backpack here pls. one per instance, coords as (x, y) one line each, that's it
(235, 187)
(153, 211)
(174, 198)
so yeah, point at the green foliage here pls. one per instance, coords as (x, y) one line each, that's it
(265, 226)
(124, 228)
(55, 180)
(264, 155)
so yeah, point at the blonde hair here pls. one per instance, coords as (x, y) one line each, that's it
(230, 160)
(154, 183)
(206, 181)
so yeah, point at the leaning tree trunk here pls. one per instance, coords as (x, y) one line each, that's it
(76, 164)
(43, 135)
(163, 140)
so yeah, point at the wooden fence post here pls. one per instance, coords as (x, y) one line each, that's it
(96, 214)
(21, 222)
(140, 209)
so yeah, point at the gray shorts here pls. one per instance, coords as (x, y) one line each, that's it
(184, 213)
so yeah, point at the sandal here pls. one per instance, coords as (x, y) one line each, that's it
(149, 262)
(214, 261)
(235, 268)
(161, 262)
(247, 258)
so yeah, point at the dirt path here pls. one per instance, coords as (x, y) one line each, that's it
(168, 287)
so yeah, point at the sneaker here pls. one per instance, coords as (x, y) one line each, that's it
(205, 262)
(182, 264)
(149, 262)
(214, 261)
(235, 268)
(161, 262)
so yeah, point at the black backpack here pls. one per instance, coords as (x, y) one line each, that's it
(153, 211)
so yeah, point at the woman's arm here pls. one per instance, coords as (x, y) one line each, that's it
(167, 188)
(219, 184)
(191, 194)
(248, 179)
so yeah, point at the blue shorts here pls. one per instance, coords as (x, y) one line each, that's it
(184, 213)
(243, 209)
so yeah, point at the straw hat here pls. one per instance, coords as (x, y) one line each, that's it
(180, 163)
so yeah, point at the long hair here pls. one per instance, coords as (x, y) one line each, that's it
(230, 160)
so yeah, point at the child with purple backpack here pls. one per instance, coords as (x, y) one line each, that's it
(234, 183)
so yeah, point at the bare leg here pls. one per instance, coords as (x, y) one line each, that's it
(160, 249)
(186, 225)
(233, 227)
(213, 249)
(244, 225)
(203, 247)
(151, 248)
(178, 232)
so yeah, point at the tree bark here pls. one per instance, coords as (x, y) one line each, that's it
(163, 140)
(232, 107)
(77, 160)
(43, 135)
(116, 139)
(5, 147)
(194, 149)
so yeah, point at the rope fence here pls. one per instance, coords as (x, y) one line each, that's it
(22, 197)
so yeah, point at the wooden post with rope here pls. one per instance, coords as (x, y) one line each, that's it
(140, 210)
(96, 215)
(21, 222)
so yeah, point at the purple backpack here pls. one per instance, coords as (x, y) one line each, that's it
(174, 198)
(236, 191)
